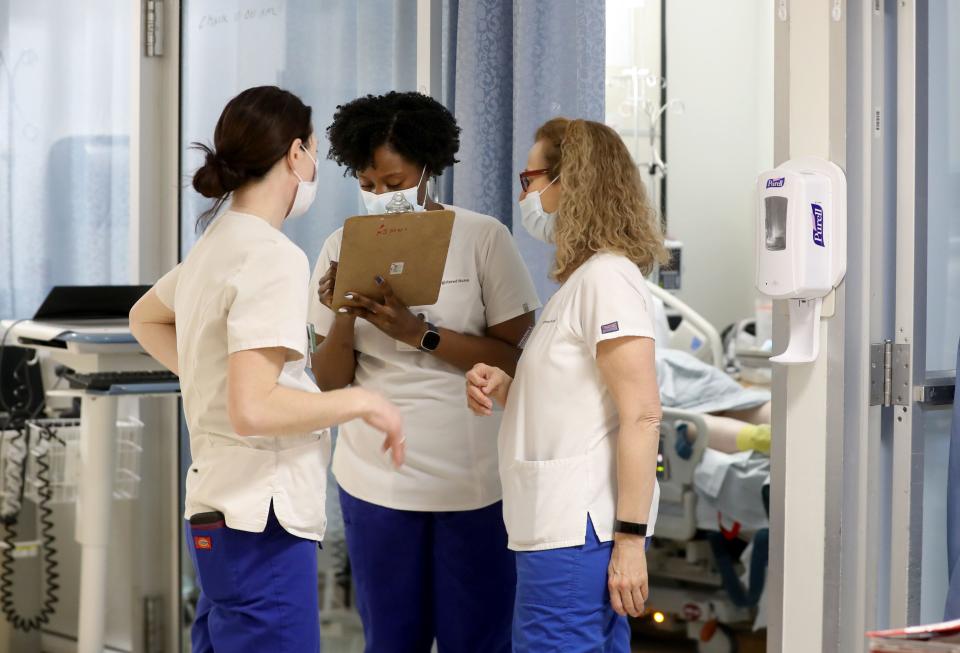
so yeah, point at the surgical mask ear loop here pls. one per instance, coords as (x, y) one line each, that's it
(433, 195)
(316, 166)
(426, 188)
(306, 190)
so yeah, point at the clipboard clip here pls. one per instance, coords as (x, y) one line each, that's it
(398, 204)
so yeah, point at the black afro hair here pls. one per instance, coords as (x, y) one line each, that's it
(416, 126)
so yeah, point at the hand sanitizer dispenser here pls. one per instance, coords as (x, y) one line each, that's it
(801, 245)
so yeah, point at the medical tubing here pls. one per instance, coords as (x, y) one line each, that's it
(740, 596)
(50, 564)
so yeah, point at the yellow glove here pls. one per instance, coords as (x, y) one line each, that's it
(755, 437)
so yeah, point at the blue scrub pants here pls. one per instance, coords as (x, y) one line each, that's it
(421, 576)
(258, 591)
(563, 603)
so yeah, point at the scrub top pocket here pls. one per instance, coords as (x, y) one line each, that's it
(545, 501)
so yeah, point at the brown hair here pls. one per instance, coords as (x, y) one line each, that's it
(254, 131)
(604, 206)
(552, 133)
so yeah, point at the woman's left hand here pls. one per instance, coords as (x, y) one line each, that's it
(391, 316)
(627, 575)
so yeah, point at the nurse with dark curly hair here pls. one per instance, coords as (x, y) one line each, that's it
(427, 543)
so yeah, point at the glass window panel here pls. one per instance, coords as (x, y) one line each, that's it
(943, 186)
(943, 283)
(64, 148)
(326, 52)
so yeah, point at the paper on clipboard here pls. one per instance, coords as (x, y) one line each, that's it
(409, 250)
(943, 637)
(946, 628)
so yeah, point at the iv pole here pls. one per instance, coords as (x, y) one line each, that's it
(657, 168)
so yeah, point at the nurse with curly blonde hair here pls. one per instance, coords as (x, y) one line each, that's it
(579, 436)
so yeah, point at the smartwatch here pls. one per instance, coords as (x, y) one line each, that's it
(430, 340)
(629, 528)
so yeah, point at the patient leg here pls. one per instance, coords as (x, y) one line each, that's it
(758, 415)
(729, 435)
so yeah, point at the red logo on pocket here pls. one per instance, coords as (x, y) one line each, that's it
(203, 542)
(692, 612)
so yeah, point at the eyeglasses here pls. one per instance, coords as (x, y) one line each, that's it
(528, 175)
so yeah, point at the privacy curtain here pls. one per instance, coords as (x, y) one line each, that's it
(512, 65)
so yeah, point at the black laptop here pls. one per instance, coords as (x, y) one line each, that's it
(83, 303)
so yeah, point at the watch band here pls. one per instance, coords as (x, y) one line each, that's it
(629, 528)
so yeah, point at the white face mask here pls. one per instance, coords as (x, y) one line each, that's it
(377, 204)
(536, 221)
(306, 190)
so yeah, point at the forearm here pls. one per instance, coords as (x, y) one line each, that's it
(334, 363)
(285, 411)
(158, 340)
(464, 351)
(637, 447)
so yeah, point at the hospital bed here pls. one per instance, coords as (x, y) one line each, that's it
(695, 582)
(689, 331)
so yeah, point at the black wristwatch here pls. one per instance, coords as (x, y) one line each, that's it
(430, 340)
(629, 528)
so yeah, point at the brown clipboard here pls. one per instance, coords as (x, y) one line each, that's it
(409, 250)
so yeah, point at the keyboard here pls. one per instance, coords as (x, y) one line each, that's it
(103, 381)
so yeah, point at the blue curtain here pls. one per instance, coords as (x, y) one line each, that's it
(514, 65)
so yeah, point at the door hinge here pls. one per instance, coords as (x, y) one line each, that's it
(153, 28)
(889, 374)
(881, 374)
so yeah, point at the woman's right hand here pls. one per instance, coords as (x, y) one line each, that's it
(486, 385)
(384, 416)
(327, 283)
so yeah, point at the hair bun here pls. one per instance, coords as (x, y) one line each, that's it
(216, 177)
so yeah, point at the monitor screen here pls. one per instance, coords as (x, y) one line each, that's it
(89, 302)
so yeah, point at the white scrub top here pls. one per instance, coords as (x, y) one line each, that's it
(451, 455)
(558, 440)
(242, 287)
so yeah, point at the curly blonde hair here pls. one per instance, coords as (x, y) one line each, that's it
(604, 206)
